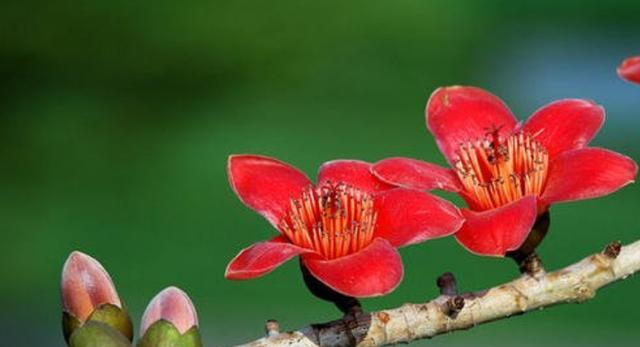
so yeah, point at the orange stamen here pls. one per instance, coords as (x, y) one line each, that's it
(495, 171)
(333, 219)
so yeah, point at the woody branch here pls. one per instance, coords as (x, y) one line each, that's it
(450, 311)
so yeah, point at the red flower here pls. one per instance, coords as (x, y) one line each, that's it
(346, 228)
(510, 173)
(630, 69)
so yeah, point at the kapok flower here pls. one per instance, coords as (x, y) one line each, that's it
(630, 69)
(510, 173)
(346, 228)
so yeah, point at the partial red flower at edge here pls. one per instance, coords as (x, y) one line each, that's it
(346, 228)
(629, 70)
(510, 173)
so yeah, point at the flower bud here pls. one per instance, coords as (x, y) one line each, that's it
(170, 320)
(88, 294)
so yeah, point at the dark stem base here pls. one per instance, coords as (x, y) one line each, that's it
(346, 304)
(527, 250)
(531, 265)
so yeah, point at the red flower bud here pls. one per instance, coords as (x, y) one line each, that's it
(172, 305)
(86, 285)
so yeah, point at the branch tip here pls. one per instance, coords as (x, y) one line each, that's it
(447, 284)
(272, 327)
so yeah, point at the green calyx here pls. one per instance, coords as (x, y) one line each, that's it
(97, 334)
(164, 334)
(113, 316)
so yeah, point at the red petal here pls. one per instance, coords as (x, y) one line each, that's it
(373, 271)
(173, 305)
(565, 124)
(407, 217)
(459, 114)
(262, 258)
(497, 231)
(587, 173)
(85, 286)
(355, 173)
(630, 69)
(265, 184)
(416, 174)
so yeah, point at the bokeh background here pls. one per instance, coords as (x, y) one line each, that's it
(116, 119)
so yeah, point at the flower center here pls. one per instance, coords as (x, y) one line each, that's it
(333, 219)
(495, 171)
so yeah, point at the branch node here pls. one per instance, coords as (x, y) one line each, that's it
(272, 327)
(447, 284)
(583, 293)
(532, 265)
(383, 317)
(612, 250)
(453, 306)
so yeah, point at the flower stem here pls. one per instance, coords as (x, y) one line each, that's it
(346, 304)
(525, 256)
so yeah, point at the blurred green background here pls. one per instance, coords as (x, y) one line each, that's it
(116, 119)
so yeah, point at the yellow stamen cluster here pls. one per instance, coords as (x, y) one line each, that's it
(495, 171)
(333, 219)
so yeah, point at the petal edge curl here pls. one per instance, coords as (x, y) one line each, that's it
(265, 184)
(373, 271)
(497, 231)
(261, 258)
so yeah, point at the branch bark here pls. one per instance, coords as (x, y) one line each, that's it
(575, 283)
